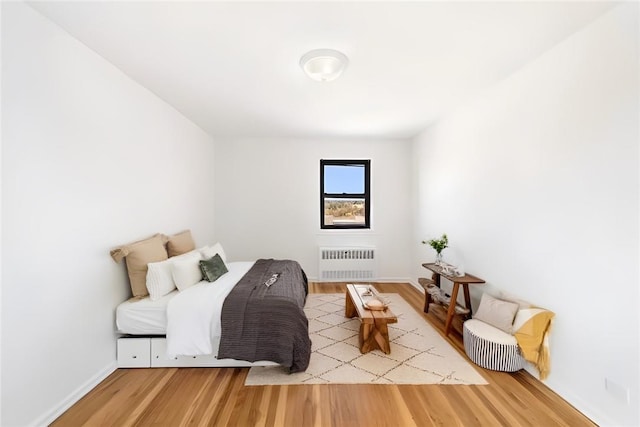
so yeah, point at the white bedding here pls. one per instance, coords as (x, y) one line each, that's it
(190, 319)
(193, 316)
(143, 316)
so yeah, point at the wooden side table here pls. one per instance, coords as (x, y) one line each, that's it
(457, 281)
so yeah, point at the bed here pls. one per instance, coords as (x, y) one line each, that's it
(252, 315)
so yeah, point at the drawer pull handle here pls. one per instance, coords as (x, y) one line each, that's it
(135, 357)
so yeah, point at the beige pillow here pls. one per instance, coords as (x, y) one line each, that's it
(137, 255)
(497, 313)
(180, 243)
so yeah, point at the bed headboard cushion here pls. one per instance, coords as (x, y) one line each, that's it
(180, 243)
(137, 255)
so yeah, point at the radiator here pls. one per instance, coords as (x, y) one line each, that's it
(343, 264)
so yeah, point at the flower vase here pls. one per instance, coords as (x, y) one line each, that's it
(438, 258)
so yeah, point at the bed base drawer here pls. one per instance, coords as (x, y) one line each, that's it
(151, 352)
(159, 358)
(134, 352)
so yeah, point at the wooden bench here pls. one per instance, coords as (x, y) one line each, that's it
(374, 333)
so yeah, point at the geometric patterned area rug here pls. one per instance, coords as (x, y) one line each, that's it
(419, 355)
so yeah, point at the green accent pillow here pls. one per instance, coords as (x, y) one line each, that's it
(213, 268)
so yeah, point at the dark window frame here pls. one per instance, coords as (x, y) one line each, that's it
(366, 195)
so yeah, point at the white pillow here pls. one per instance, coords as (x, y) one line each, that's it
(186, 271)
(497, 312)
(209, 251)
(189, 254)
(159, 279)
(160, 275)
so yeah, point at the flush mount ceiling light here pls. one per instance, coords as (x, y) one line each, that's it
(324, 65)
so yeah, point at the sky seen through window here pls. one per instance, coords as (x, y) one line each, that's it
(344, 179)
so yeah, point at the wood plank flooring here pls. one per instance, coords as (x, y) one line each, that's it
(218, 397)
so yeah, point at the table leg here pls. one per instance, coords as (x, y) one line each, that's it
(435, 278)
(452, 308)
(427, 300)
(365, 338)
(382, 336)
(374, 336)
(467, 297)
(349, 308)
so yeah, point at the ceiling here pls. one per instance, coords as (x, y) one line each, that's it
(233, 67)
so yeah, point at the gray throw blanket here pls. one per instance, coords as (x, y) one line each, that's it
(267, 321)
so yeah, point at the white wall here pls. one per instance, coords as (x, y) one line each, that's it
(268, 200)
(536, 182)
(1, 222)
(90, 160)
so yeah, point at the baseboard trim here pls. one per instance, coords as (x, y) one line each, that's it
(379, 280)
(49, 417)
(416, 285)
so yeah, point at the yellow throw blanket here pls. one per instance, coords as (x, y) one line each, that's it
(532, 338)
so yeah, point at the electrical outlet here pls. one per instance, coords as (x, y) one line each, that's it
(618, 391)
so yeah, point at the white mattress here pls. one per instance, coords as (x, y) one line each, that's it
(143, 316)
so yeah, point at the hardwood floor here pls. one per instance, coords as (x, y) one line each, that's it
(218, 397)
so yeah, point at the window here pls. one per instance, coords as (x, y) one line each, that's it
(345, 200)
